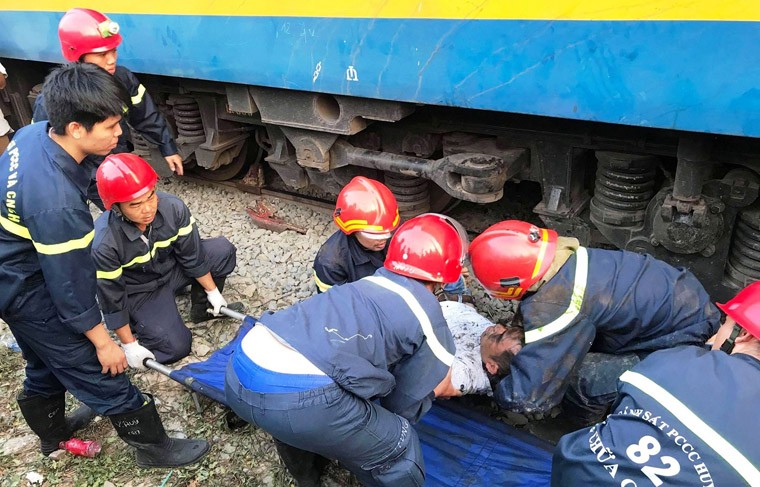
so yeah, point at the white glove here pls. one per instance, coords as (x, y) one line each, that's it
(136, 355)
(216, 300)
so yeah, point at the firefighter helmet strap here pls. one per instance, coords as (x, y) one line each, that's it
(728, 345)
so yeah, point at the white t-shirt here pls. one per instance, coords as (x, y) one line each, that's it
(466, 325)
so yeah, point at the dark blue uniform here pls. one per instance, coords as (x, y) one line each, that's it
(47, 277)
(380, 338)
(605, 301)
(140, 272)
(684, 417)
(342, 259)
(143, 116)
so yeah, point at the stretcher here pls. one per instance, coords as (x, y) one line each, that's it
(462, 447)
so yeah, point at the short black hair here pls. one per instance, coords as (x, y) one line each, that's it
(504, 360)
(82, 93)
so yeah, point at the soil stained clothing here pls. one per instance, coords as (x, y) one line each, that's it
(47, 276)
(683, 417)
(609, 302)
(467, 325)
(142, 115)
(383, 346)
(139, 273)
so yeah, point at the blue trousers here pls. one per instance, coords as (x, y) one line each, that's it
(154, 316)
(378, 446)
(59, 359)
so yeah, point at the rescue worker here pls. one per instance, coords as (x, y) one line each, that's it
(683, 415)
(146, 249)
(366, 214)
(89, 36)
(620, 305)
(345, 374)
(47, 277)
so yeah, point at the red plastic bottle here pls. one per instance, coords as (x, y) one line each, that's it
(84, 448)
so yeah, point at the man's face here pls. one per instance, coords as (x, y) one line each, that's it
(372, 244)
(142, 210)
(494, 341)
(723, 332)
(102, 139)
(106, 60)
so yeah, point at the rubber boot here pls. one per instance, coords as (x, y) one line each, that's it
(46, 416)
(305, 467)
(199, 301)
(143, 430)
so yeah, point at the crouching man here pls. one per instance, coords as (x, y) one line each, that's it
(146, 249)
(618, 305)
(346, 373)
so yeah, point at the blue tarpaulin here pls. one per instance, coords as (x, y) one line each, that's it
(462, 447)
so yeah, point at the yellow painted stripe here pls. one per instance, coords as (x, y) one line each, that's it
(741, 10)
(322, 286)
(139, 96)
(144, 258)
(47, 249)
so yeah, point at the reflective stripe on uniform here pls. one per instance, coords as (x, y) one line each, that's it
(427, 328)
(47, 249)
(686, 416)
(322, 286)
(576, 301)
(139, 96)
(142, 259)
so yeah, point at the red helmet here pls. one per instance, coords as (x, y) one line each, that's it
(744, 308)
(511, 256)
(366, 205)
(429, 247)
(83, 31)
(124, 177)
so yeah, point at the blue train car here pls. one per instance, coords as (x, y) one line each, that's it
(639, 122)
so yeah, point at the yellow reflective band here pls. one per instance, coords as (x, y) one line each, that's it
(427, 328)
(139, 96)
(14, 228)
(541, 252)
(142, 259)
(686, 416)
(62, 248)
(576, 301)
(111, 275)
(47, 249)
(321, 285)
(354, 225)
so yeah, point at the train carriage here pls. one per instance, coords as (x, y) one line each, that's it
(638, 121)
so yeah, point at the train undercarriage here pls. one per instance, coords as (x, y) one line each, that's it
(687, 198)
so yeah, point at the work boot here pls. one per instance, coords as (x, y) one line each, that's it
(143, 430)
(305, 467)
(46, 416)
(199, 301)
